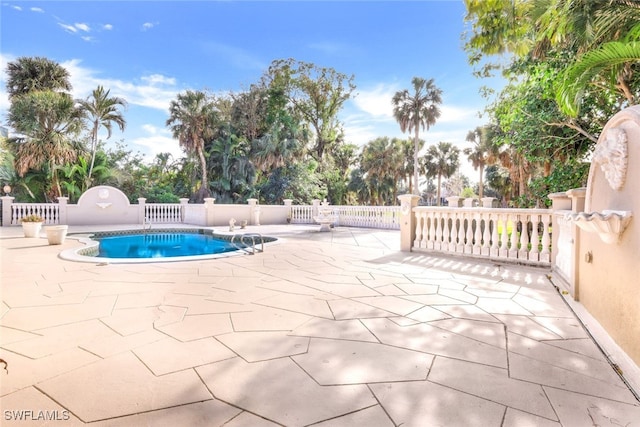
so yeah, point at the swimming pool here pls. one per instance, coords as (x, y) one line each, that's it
(134, 246)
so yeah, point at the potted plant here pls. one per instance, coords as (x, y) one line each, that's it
(56, 234)
(32, 225)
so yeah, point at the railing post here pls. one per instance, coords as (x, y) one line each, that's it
(141, 210)
(183, 208)
(407, 221)
(454, 201)
(255, 211)
(62, 210)
(7, 201)
(208, 211)
(487, 202)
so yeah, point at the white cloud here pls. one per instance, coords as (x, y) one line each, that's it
(83, 27)
(148, 25)
(69, 28)
(158, 79)
(158, 140)
(37, 9)
(376, 101)
(18, 8)
(107, 27)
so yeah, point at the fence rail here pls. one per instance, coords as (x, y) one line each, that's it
(49, 211)
(522, 235)
(161, 213)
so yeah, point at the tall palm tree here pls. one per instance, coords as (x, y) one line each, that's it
(192, 120)
(441, 160)
(478, 155)
(382, 163)
(416, 110)
(102, 111)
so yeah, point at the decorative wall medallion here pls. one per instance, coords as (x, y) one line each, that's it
(612, 155)
(103, 194)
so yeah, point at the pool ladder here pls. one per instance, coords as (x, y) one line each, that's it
(245, 239)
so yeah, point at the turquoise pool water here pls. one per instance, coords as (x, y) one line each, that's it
(162, 245)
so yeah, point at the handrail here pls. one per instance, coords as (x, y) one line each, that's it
(246, 236)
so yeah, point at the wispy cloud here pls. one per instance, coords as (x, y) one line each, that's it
(16, 7)
(158, 140)
(329, 48)
(37, 9)
(82, 27)
(75, 28)
(107, 27)
(149, 25)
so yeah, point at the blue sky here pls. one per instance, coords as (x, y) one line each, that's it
(149, 51)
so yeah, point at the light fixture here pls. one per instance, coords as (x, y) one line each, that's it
(6, 189)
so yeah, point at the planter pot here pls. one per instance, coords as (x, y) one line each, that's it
(31, 229)
(56, 234)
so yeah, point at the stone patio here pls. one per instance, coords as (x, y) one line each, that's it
(323, 329)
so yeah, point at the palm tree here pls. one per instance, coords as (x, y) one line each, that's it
(28, 74)
(413, 111)
(381, 161)
(50, 122)
(478, 155)
(102, 111)
(192, 120)
(441, 160)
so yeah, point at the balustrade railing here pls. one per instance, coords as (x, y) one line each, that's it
(301, 214)
(386, 217)
(522, 235)
(162, 213)
(49, 211)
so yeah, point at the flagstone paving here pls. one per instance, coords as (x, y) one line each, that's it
(322, 329)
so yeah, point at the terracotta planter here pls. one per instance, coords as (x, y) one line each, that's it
(31, 229)
(56, 234)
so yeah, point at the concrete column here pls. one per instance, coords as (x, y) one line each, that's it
(208, 211)
(141, 209)
(316, 207)
(577, 196)
(254, 211)
(454, 201)
(183, 208)
(468, 202)
(487, 202)
(407, 221)
(7, 201)
(62, 210)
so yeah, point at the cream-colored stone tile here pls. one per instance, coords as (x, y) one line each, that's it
(299, 304)
(565, 327)
(486, 332)
(299, 401)
(59, 338)
(433, 299)
(346, 291)
(423, 403)
(501, 306)
(121, 385)
(4, 309)
(492, 384)
(267, 319)
(427, 314)
(29, 407)
(196, 327)
(264, 345)
(526, 369)
(583, 346)
(466, 311)
(349, 309)
(140, 299)
(200, 414)
(37, 299)
(352, 330)
(544, 308)
(170, 355)
(246, 419)
(396, 305)
(10, 335)
(116, 343)
(370, 417)
(199, 305)
(404, 321)
(525, 326)
(33, 318)
(576, 409)
(23, 372)
(490, 293)
(559, 357)
(515, 418)
(133, 320)
(333, 362)
(418, 289)
(432, 340)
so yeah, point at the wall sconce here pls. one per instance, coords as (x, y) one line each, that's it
(6, 189)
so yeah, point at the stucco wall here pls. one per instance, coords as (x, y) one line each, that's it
(609, 285)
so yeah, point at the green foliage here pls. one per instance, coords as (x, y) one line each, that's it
(468, 192)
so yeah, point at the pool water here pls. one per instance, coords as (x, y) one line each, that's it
(162, 245)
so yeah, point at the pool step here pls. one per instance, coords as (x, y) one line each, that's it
(247, 240)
